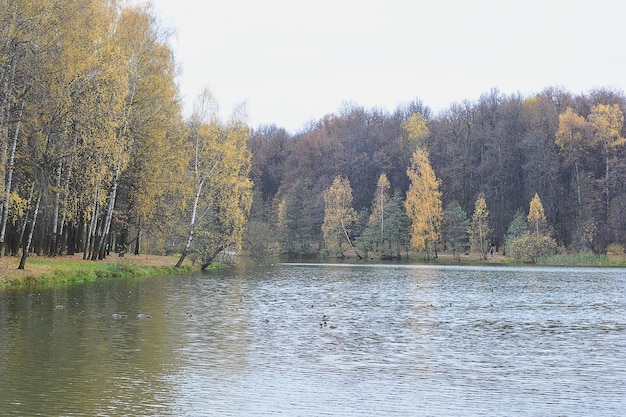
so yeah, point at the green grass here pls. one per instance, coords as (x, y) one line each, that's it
(51, 271)
(582, 259)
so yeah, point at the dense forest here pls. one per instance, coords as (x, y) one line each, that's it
(566, 148)
(97, 157)
(95, 153)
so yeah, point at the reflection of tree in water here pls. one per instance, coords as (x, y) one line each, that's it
(67, 353)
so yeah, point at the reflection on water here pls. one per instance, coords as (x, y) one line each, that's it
(338, 340)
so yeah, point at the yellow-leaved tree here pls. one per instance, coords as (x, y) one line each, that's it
(536, 216)
(571, 139)
(220, 187)
(153, 119)
(339, 216)
(381, 205)
(606, 122)
(423, 203)
(414, 133)
(480, 229)
(536, 242)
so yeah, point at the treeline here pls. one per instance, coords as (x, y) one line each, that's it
(563, 147)
(95, 155)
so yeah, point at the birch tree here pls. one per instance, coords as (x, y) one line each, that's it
(376, 230)
(571, 139)
(606, 122)
(339, 216)
(153, 122)
(480, 229)
(26, 32)
(219, 180)
(381, 204)
(230, 198)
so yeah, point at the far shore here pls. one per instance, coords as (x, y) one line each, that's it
(44, 270)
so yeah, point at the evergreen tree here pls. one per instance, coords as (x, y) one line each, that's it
(517, 228)
(455, 228)
(297, 221)
(373, 236)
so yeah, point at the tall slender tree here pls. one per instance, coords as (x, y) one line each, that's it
(480, 230)
(423, 203)
(536, 217)
(606, 122)
(339, 216)
(571, 139)
(455, 228)
(380, 205)
(219, 181)
(379, 229)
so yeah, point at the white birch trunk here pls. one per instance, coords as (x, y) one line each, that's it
(9, 180)
(109, 215)
(30, 233)
(192, 224)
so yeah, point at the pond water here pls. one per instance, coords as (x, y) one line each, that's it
(321, 340)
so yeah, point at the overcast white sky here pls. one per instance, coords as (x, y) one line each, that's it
(294, 61)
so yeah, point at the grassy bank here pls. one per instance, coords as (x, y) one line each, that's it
(614, 258)
(584, 259)
(565, 259)
(72, 269)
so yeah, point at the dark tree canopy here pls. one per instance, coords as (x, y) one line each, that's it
(503, 147)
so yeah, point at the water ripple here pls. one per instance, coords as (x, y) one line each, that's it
(324, 340)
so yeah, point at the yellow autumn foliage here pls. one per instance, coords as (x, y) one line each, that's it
(423, 203)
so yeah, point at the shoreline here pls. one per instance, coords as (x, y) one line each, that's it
(43, 270)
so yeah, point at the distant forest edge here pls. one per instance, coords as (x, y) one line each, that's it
(565, 149)
(97, 157)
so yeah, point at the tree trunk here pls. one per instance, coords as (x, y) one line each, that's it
(137, 242)
(30, 234)
(93, 254)
(606, 184)
(92, 225)
(52, 250)
(29, 206)
(65, 243)
(109, 216)
(5, 111)
(578, 194)
(191, 226)
(9, 179)
(208, 262)
(66, 191)
(345, 232)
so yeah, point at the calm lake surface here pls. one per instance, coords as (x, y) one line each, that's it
(321, 340)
